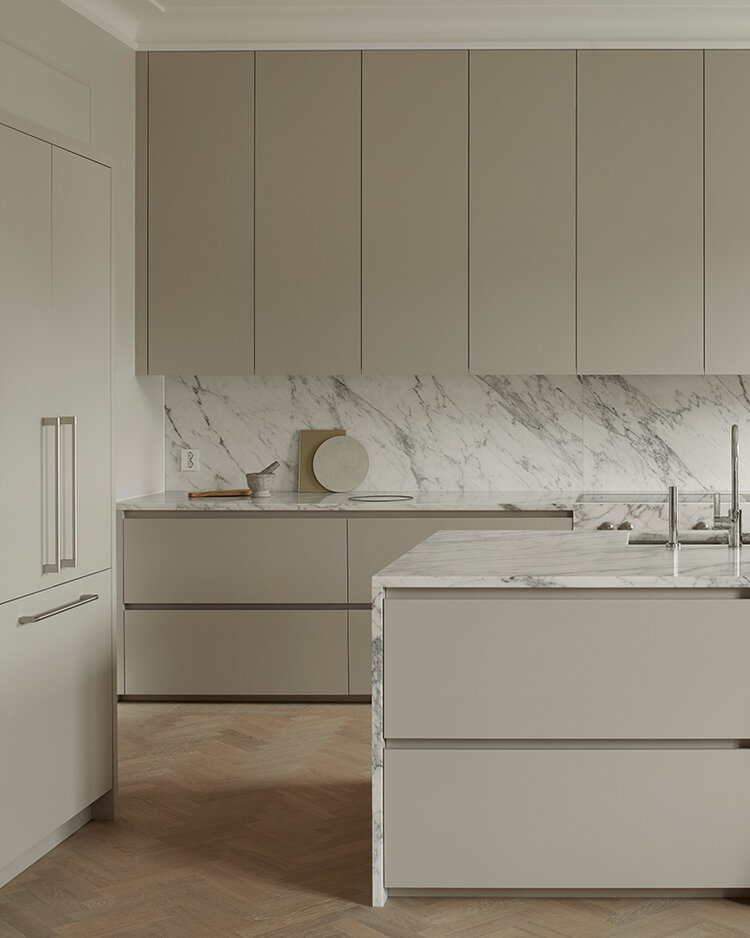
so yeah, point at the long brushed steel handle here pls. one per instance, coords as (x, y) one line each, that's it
(81, 601)
(55, 567)
(72, 422)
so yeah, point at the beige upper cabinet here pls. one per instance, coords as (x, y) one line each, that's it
(200, 213)
(727, 212)
(307, 213)
(640, 212)
(522, 211)
(414, 212)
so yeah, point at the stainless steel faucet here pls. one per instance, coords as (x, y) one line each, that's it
(733, 520)
(673, 542)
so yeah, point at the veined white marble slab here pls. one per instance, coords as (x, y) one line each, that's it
(553, 559)
(467, 432)
(421, 501)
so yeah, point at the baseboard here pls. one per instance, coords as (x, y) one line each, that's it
(394, 892)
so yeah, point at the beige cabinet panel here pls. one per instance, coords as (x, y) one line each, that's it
(307, 213)
(522, 240)
(232, 651)
(561, 819)
(360, 651)
(414, 212)
(376, 542)
(200, 205)
(81, 336)
(564, 668)
(640, 212)
(235, 560)
(56, 702)
(26, 338)
(727, 211)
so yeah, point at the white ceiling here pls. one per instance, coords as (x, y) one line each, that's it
(257, 24)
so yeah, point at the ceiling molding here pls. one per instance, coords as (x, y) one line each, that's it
(151, 25)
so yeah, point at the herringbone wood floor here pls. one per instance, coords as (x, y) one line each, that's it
(254, 820)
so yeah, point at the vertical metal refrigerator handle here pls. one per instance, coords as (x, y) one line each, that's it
(55, 567)
(72, 422)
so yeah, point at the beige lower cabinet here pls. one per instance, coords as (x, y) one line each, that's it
(566, 819)
(537, 668)
(217, 652)
(565, 740)
(235, 560)
(220, 604)
(56, 701)
(376, 542)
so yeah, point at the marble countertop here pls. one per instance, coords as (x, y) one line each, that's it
(569, 559)
(422, 501)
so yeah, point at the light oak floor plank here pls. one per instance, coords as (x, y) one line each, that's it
(253, 820)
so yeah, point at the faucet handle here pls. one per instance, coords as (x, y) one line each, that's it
(717, 504)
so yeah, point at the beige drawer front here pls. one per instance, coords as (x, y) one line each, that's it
(563, 668)
(235, 560)
(360, 651)
(376, 542)
(232, 651)
(566, 819)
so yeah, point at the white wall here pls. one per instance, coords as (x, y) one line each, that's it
(50, 37)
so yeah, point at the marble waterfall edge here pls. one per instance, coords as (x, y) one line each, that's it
(465, 433)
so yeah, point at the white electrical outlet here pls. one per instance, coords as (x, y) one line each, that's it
(190, 460)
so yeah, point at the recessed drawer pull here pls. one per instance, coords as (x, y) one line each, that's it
(81, 601)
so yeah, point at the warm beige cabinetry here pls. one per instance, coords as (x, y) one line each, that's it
(564, 739)
(189, 559)
(444, 211)
(55, 712)
(200, 213)
(522, 211)
(727, 211)
(307, 213)
(266, 605)
(567, 819)
(415, 212)
(640, 212)
(246, 652)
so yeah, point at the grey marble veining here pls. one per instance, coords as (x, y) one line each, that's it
(654, 431)
(561, 559)
(466, 433)
(419, 501)
(421, 433)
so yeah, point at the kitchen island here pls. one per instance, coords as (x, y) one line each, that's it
(560, 713)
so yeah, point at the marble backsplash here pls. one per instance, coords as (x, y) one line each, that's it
(466, 433)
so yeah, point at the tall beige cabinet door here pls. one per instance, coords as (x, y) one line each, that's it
(81, 335)
(200, 213)
(414, 212)
(727, 212)
(522, 219)
(26, 382)
(640, 212)
(307, 213)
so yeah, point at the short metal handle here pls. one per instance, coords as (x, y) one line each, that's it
(72, 422)
(81, 601)
(55, 567)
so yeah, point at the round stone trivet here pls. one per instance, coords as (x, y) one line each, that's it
(341, 464)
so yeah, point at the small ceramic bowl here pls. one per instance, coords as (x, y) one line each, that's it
(259, 483)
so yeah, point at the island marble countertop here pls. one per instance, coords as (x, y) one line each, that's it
(568, 559)
(420, 501)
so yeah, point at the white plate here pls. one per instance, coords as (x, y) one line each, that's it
(341, 464)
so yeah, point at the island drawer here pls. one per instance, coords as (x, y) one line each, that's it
(566, 819)
(218, 652)
(376, 542)
(538, 668)
(235, 560)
